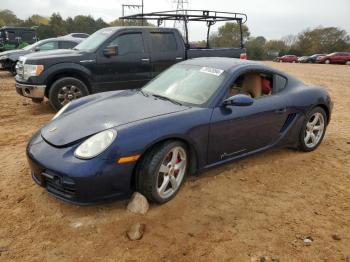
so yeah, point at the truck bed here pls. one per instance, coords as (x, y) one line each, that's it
(215, 52)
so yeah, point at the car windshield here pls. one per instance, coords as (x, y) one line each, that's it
(187, 84)
(95, 40)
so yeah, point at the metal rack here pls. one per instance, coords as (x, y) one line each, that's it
(209, 17)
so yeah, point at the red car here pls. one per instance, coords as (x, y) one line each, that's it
(334, 58)
(287, 59)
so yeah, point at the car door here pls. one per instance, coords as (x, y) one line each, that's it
(166, 50)
(130, 68)
(236, 130)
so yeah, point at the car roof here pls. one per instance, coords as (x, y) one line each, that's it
(222, 63)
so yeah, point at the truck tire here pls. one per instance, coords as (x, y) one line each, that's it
(65, 90)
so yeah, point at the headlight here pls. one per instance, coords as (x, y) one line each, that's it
(96, 144)
(61, 111)
(32, 70)
(3, 57)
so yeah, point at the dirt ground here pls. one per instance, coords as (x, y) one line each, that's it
(261, 206)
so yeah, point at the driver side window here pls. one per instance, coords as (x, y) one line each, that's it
(253, 84)
(128, 44)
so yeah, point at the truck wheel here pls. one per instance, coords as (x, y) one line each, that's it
(65, 90)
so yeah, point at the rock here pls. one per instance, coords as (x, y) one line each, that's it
(262, 259)
(136, 231)
(3, 249)
(20, 199)
(336, 237)
(308, 240)
(138, 204)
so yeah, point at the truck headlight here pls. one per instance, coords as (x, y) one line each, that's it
(96, 144)
(32, 70)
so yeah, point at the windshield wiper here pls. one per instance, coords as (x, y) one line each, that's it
(167, 98)
(142, 92)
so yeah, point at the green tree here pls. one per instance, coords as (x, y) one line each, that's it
(229, 35)
(323, 40)
(7, 17)
(57, 24)
(256, 48)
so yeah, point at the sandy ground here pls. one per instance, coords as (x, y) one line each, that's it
(261, 206)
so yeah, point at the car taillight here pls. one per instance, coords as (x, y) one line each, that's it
(243, 56)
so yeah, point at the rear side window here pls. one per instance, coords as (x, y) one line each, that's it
(28, 36)
(279, 83)
(163, 42)
(67, 45)
(129, 44)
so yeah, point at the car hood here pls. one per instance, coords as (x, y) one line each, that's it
(92, 114)
(55, 56)
(15, 53)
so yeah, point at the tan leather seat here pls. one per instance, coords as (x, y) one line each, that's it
(252, 85)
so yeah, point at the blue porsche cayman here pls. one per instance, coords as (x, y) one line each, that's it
(198, 114)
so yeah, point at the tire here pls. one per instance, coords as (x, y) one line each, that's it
(327, 62)
(293, 62)
(150, 180)
(310, 127)
(13, 68)
(66, 89)
(347, 62)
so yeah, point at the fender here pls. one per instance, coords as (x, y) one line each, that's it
(68, 69)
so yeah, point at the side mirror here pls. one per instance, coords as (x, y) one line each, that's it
(238, 100)
(110, 51)
(36, 49)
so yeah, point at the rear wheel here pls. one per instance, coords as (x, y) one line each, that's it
(327, 61)
(162, 171)
(65, 90)
(347, 62)
(313, 130)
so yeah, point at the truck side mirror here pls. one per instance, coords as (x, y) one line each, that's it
(110, 51)
(238, 100)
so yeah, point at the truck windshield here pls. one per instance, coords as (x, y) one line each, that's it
(91, 43)
(187, 84)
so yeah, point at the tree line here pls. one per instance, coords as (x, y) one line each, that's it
(307, 42)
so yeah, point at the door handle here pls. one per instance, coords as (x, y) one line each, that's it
(281, 111)
(145, 59)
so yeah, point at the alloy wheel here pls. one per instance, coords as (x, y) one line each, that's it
(314, 130)
(171, 172)
(68, 93)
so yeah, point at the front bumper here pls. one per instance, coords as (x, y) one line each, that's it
(31, 91)
(81, 182)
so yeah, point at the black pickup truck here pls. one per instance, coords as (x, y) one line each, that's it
(110, 59)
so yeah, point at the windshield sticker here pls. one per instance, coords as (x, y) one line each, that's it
(212, 71)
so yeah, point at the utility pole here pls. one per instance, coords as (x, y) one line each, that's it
(181, 5)
(132, 7)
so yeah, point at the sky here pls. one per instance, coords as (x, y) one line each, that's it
(272, 19)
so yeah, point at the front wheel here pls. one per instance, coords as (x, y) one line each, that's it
(65, 90)
(327, 62)
(313, 130)
(162, 171)
(347, 62)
